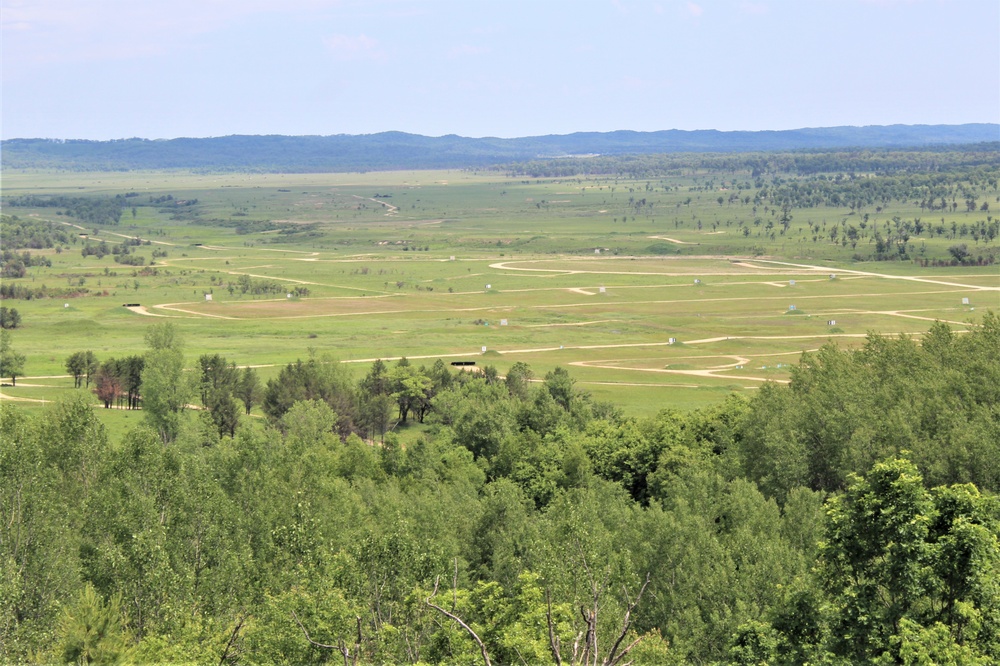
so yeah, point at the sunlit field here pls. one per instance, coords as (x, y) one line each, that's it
(672, 303)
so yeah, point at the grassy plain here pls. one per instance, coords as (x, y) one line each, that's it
(553, 272)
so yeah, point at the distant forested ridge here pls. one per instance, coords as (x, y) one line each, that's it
(399, 150)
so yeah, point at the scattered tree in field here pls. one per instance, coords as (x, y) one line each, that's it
(9, 317)
(108, 388)
(248, 389)
(217, 376)
(119, 382)
(82, 365)
(165, 389)
(11, 362)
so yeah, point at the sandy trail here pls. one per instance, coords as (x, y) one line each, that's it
(673, 240)
(910, 278)
(141, 309)
(13, 398)
(574, 323)
(713, 372)
(112, 233)
(390, 209)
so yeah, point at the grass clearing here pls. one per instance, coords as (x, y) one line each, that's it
(441, 264)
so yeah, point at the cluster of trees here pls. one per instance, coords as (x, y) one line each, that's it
(848, 517)
(19, 233)
(13, 265)
(9, 317)
(247, 285)
(91, 210)
(20, 291)
(82, 365)
(156, 383)
(930, 191)
(221, 385)
(11, 360)
(123, 252)
(117, 382)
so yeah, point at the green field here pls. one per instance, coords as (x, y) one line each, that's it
(572, 272)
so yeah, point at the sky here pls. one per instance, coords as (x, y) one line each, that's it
(160, 69)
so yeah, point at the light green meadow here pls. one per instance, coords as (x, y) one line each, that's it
(428, 265)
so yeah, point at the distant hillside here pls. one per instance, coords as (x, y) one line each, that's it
(398, 150)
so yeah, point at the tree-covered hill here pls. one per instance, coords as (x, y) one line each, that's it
(399, 150)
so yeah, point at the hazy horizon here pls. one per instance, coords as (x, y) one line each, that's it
(84, 69)
(438, 136)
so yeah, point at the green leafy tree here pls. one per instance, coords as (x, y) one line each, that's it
(11, 362)
(518, 379)
(560, 386)
(412, 390)
(9, 317)
(165, 389)
(906, 567)
(82, 365)
(315, 379)
(248, 389)
(224, 412)
(39, 508)
(876, 557)
(129, 519)
(217, 376)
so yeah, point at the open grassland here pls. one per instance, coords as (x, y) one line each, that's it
(552, 272)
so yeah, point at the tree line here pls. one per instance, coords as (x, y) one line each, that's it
(759, 164)
(91, 210)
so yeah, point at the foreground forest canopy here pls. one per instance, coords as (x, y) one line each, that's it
(848, 517)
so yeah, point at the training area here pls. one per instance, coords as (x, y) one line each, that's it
(668, 291)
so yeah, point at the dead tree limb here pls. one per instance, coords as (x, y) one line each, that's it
(613, 658)
(553, 639)
(452, 616)
(311, 641)
(226, 656)
(585, 647)
(349, 660)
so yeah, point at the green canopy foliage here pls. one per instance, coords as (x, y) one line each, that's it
(848, 517)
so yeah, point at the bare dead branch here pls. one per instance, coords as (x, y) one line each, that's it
(553, 639)
(357, 643)
(454, 587)
(311, 641)
(475, 637)
(232, 638)
(613, 658)
(590, 639)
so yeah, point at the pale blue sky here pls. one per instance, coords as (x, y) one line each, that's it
(105, 69)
